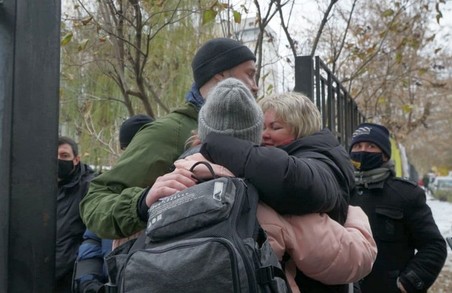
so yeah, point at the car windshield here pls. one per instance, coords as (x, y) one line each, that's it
(445, 183)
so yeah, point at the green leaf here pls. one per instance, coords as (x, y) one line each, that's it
(66, 39)
(82, 45)
(381, 100)
(422, 71)
(388, 12)
(208, 16)
(86, 20)
(237, 16)
(407, 108)
(398, 57)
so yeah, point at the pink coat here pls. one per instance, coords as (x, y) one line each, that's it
(320, 247)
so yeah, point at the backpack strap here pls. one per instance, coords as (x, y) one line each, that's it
(114, 261)
(266, 276)
(91, 266)
(208, 165)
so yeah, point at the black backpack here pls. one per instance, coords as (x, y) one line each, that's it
(203, 239)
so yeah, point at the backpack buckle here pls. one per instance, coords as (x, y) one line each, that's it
(265, 275)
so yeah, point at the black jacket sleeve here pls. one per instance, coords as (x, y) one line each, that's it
(289, 184)
(423, 269)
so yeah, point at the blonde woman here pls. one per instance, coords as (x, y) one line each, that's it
(322, 252)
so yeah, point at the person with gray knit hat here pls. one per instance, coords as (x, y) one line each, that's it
(411, 250)
(231, 114)
(155, 146)
(231, 109)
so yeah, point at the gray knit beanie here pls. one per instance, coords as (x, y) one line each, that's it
(231, 109)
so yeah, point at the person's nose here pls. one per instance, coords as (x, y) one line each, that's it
(254, 88)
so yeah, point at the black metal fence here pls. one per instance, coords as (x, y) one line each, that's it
(29, 87)
(339, 112)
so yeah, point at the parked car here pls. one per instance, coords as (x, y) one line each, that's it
(441, 188)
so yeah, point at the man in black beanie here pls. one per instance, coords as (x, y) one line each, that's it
(411, 250)
(115, 205)
(217, 56)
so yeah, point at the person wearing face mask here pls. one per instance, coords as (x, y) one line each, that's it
(73, 180)
(411, 250)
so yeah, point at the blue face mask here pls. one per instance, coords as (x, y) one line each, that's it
(365, 161)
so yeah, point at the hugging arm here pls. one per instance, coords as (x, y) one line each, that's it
(289, 184)
(320, 247)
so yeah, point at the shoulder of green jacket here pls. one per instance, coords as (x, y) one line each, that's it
(188, 109)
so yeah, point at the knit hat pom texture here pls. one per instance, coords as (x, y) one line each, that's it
(231, 109)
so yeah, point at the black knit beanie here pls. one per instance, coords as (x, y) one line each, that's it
(130, 127)
(218, 55)
(375, 133)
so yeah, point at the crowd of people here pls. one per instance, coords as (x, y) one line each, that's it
(344, 218)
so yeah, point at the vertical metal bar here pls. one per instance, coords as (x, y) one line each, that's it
(304, 76)
(6, 71)
(323, 98)
(331, 105)
(29, 87)
(339, 112)
(318, 86)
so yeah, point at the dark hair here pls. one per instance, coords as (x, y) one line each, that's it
(69, 141)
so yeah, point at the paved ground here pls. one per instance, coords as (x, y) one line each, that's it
(442, 212)
(444, 282)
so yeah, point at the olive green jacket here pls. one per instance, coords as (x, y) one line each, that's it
(110, 207)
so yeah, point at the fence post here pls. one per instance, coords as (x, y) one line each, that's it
(304, 76)
(29, 88)
(339, 112)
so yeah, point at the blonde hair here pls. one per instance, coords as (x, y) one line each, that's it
(295, 109)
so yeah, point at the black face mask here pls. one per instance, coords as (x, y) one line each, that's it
(65, 169)
(365, 161)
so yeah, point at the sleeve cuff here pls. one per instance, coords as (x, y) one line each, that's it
(142, 208)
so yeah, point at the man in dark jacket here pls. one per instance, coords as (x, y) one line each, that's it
(90, 274)
(411, 250)
(73, 181)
